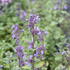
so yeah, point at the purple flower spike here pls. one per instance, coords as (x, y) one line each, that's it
(15, 27)
(24, 13)
(19, 48)
(19, 51)
(30, 45)
(34, 19)
(39, 51)
(27, 63)
(21, 63)
(31, 59)
(63, 53)
(16, 33)
(6, 1)
(65, 7)
(42, 52)
(35, 31)
(41, 35)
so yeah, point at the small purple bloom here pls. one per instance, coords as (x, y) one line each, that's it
(30, 45)
(41, 35)
(17, 14)
(65, 7)
(1, 66)
(15, 28)
(27, 63)
(40, 51)
(31, 59)
(35, 31)
(63, 53)
(31, 25)
(19, 50)
(21, 63)
(20, 54)
(34, 19)
(16, 33)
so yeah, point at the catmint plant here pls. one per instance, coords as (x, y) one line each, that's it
(20, 54)
(19, 49)
(32, 21)
(16, 33)
(37, 51)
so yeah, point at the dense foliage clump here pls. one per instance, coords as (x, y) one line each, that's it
(34, 35)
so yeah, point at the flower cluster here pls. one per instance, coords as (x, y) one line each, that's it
(16, 33)
(19, 49)
(20, 54)
(40, 51)
(5, 1)
(33, 20)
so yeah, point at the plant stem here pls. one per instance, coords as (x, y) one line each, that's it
(33, 40)
(49, 68)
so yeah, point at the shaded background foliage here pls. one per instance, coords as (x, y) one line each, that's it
(54, 20)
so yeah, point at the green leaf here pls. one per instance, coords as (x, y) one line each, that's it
(58, 57)
(39, 64)
(26, 67)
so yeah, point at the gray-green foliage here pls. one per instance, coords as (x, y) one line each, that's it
(50, 18)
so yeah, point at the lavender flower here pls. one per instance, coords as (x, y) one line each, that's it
(63, 53)
(40, 51)
(21, 63)
(33, 20)
(19, 50)
(65, 7)
(20, 54)
(30, 45)
(41, 35)
(6, 1)
(35, 31)
(31, 59)
(27, 63)
(16, 33)
(15, 30)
